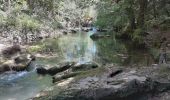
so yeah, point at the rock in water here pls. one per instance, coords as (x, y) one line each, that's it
(41, 70)
(54, 70)
(85, 66)
(19, 63)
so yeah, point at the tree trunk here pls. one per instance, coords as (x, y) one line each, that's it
(154, 9)
(131, 16)
(30, 4)
(9, 6)
(142, 12)
(132, 21)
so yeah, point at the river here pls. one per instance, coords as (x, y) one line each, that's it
(75, 47)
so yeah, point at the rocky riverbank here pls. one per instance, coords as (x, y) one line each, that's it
(14, 58)
(111, 82)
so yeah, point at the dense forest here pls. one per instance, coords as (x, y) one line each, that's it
(84, 49)
(131, 18)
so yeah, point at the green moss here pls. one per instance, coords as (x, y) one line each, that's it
(35, 48)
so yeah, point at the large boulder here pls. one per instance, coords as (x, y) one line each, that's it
(18, 63)
(124, 85)
(130, 90)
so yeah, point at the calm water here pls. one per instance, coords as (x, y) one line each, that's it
(78, 47)
(82, 48)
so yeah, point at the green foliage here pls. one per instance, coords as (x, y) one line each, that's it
(35, 49)
(112, 15)
(28, 22)
(133, 17)
(137, 36)
(155, 53)
(48, 45)
(56, 25)
(2, 18)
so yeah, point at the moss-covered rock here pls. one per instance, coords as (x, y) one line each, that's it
(19, 63)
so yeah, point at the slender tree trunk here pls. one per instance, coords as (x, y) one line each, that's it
(30, 4)
(9, 6)
(142, 12)
(154, 9)
(131, 16)
(132, 20)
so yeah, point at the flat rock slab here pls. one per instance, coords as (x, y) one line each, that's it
(127, 85)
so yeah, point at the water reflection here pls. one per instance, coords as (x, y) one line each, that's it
(105, 50)
(77, 48)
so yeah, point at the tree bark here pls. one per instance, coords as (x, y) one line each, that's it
(142, 12)
(131, 15)
(9, 6)
(154, 9)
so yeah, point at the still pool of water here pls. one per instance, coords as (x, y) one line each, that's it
(81, 48)
(77, 47)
